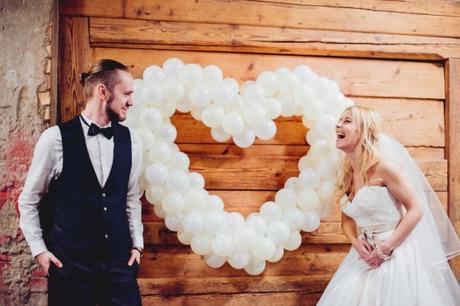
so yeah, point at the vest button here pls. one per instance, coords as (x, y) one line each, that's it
(106, 236)
(103, 194)
(105, 208)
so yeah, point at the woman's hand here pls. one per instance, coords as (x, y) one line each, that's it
(373, 260)
(363, 247)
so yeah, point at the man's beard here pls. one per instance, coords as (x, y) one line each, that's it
(112, 115)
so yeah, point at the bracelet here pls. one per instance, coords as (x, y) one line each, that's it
(380, 253)
(137, 249)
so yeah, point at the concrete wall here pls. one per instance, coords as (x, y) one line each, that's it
(26, 28)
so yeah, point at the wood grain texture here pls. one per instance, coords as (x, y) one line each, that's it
(132, 33)
(74, 58)
(357, 77)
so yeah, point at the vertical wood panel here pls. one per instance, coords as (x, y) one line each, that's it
(74, 59)
(453, 146)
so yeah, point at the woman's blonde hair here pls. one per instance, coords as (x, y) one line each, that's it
(368, 121)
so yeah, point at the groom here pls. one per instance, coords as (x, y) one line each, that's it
(80, 209)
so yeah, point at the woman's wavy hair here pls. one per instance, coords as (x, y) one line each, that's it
(368, 121)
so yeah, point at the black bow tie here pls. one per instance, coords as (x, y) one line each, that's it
(94, 130)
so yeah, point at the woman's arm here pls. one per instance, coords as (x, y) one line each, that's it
(400, 188)
(349, 229)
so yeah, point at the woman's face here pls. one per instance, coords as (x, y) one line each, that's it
(347, 133)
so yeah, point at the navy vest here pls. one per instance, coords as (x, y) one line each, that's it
(79, 215)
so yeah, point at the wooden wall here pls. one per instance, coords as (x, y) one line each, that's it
(398, 57)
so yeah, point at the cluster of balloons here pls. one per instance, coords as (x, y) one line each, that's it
(241, 113)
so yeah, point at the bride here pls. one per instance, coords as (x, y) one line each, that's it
(401, 237)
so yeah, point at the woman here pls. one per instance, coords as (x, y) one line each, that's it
(401, 237)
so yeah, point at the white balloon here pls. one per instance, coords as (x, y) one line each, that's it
(239, 260)
(173, 91)
(184, 237)
(327, 168)
(196, 180)
(278, 254)
(193, 223)
(286, 198)
(179, 161)
(172, 66)
(174, 223)
(220, 135)
(271, 211)
(214, 261)
(196, 199)
(200, 96)
(319, 149)
(156, 173)
(326, 190)
(167, 132)
(233, 123)
(268, 81)
(167, 109)
(216, 202)
(290, 183)
(265, 130)
(212, 75)
(151, 118)
(178, 181)
(190, 74)
(308, 200)
(173, 203)
(288, 106)
(264, 248)
(306, 162)
(161, 152)
(153, 93)
(257, 223)
(223, 92)
(152, 74)
(159, 212)
(294, 218)
(244, 238)
(222, 244)
(245, 138)
(196, 113)
(311, 222)
(147, 137)
(213, 116)
(278, 232)
(253, 93)
(255, 114)
(201, 244)
(255, 267)
(312, 137)
(215, 222)
(326, 125)
(154, 194)
(308, 178)
(272, 107)
(293, 242)
(235, 220)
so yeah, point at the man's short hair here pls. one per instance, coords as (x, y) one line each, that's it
(105, 71)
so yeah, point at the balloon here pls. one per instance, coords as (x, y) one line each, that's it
(184, 237)
(257, 223)
(161, 152)
(156, 173)
(311, 222)
(216, 202)
(233, 123)
(174, 223)
(152, 93)
(223, 92)
(193, 223)
(308, 178)
(245, 138)
(153, 74)
(319, 149)
(308, 200)
(173, 203)
(154, 194)
(220, 135)
(215, 222)
(265, 130)
(293, 242)
(222, 244)
(146, 136)
(172, 66)
(255, 114)
(196, 180)
(179, 161)
(200, 96)
(326, 190)
(201, 244)
(214, 261)
(195, 199)
(264, 248)
(253, 93)
(268, 81)
(178, 181)
(327, 168)
(270, 211)
(213, 116)
(150, 118)
(239, 259)
(190, 74)
(255, 267)
(159, 212)
(290, 183)
(235, 220)
(279, 252)
(294, 218)
(167, 132)
(286, 198)
(173, 91)
(272, 107)
(278, 232)
(212, 75)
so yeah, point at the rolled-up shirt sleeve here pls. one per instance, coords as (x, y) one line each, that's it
(134, 205)
(42, 171)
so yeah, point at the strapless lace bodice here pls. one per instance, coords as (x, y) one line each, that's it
(373, 205)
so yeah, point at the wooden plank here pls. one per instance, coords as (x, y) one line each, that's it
(246, 202)
(357, 77)
(180, 261)
(293, 16)
(256, 299)
(229, 285)
(74, 59)
(453, 146)
(226, 37)
(106, 8)
(426, 7)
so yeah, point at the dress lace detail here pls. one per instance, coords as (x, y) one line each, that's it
(373, 205)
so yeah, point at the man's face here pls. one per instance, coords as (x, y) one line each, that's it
(121, 97)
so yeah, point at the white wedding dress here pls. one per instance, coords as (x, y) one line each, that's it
(407, 279)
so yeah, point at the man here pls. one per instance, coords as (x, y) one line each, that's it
(79, 210)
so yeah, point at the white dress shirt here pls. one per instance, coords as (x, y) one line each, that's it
(47, 165)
